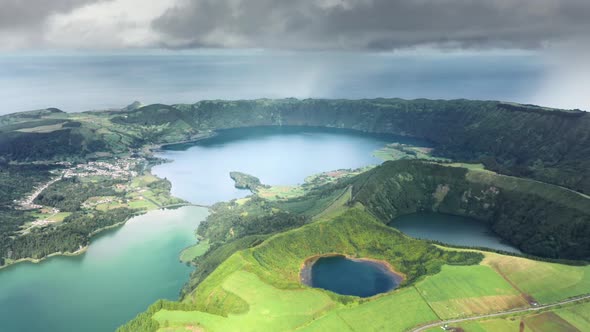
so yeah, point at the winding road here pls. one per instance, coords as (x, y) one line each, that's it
(502, 313)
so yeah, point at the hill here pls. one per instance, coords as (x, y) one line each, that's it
(549, 145)
(546, 144)
(541, 219)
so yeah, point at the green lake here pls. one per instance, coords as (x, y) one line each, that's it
(122, 273)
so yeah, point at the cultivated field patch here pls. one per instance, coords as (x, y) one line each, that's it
(578, 315)
(398, 311)
(548, 322)
(545, 282)
(459, 291)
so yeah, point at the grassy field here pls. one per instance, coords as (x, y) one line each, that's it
(237, 296)
(306, 309)
(571, 318)
(545, 282)
(190, 253)
(58, 217)
(142, 204)
(280, 192)
(337, 207)
(284, 193)
(258, 289)
(578, 315)
(454, 291)
(42, 129)
(459, 291)
(471, 167)
(397, 151)
(395, 312)
(548, 322)
(270, 309)
(491, 325)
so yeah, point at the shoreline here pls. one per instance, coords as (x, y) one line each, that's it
(78, 252)
(159, 147)
(305, 269)
(151, 150)
(40, 260)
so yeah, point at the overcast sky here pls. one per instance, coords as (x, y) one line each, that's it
(558, 30)
(293, 24)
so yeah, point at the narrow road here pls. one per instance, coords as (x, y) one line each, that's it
(28, 202)
(169, 206)
(502, 313)
(183, 204)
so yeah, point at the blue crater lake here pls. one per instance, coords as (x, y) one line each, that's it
(347, 276)
(454, 230)
(199, 171)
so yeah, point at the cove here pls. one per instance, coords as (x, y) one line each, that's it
(122, 273)
(199, 171)
(348, 276)
(454, 230)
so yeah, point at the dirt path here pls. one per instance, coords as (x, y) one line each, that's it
(502, 313)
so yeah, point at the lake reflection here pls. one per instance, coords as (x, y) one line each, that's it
(454, 230)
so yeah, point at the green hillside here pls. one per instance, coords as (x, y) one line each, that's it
(258, 287)
(546, 144)
(540, 219)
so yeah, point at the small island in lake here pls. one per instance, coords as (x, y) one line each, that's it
(246, 181)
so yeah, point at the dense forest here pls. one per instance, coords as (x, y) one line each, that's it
(231, 227)
(64, 144)
(68, 194)
(15, 182)
(70, 236)
(18, 180)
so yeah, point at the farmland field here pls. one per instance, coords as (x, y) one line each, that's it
(578, 315)
(269, 308)
(545, 282)
(468, 290)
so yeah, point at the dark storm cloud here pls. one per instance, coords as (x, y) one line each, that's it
(373, 24)
(29, 14)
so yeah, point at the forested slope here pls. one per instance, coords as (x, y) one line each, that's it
(540, 219)
(522, 140)
(549, 145)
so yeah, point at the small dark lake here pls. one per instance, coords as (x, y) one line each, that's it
(347, 276)
(454, 230)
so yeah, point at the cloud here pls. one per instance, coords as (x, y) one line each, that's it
(22, 22)
(18, 14)
(293, 24)
(107, 25)
(373, 24)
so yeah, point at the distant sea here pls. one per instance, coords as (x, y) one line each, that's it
(81, 82)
